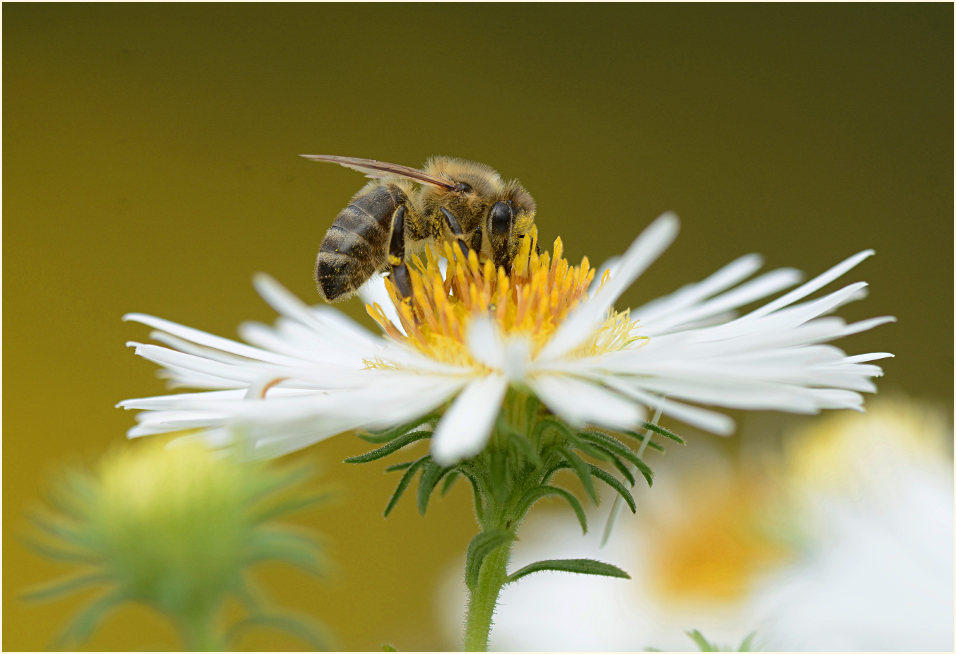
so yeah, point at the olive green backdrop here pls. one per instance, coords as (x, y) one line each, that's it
(150, 165)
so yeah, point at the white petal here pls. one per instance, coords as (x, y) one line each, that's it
(485, 342)
(755, 289)
(582, 402)
(642, 253)
(374, 292)
(817, 282)
(466, 426)
(734, 272)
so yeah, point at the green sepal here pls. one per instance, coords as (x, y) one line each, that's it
(666, 433)
(480, 547)
(612, 481)
(404, 481)
(476, 492)
(589, 449)
(81, 627)
(581, 469)
(617, 463)
(557, 425)
(60, 553)
(613, 444)
(579, 566)
(500, 482)
(392, 446)
(631, 434)
(302, 628)
(450, 480)
(284, 544)
(432, 473)
(702, 643)
(65, 586)
(395, 432)
(747, 643)
(531, 409)
(291, 505)
(527, 449)
(540, 492)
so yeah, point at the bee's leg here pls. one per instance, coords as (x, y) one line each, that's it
(455, 228)
(396, 254)
(476, 239)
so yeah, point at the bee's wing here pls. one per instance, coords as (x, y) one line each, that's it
(380, 169)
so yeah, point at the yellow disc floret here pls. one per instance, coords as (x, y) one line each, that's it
(531, 300)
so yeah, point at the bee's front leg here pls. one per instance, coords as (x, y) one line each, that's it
(459, 235)
(396, 255)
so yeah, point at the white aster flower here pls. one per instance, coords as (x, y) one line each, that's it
(468, 333)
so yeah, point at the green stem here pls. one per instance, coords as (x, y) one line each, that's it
(484, 598)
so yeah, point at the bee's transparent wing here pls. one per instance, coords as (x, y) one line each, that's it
(380, 169)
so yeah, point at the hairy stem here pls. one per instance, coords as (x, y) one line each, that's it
(484, 597)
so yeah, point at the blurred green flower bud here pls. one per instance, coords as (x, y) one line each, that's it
(176, 528)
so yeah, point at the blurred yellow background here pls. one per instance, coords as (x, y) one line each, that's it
(150, 165)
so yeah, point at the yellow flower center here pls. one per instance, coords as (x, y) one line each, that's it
(531, 301)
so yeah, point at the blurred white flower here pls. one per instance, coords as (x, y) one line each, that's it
(849, 547)
(467, 335)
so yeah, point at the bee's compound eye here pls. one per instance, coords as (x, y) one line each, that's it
(461, 187)
(502, 217)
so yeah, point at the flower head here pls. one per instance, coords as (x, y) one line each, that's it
(174, 527)
(466, 335)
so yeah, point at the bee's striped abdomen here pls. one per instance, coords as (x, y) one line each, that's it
(357, 243)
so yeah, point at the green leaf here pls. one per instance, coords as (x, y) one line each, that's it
(395, 432)
(540, 492)
(404, 481)
(399, 466)
(432, 473)
(393, 446)
(65, 586)
(657, 429)
(579, 566)
(612, 481)
(480, 547)
(581, 469)
(302, 628)
(386, 647)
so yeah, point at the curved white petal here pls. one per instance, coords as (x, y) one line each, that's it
(642, 253)
(582, 402)
(466, 426)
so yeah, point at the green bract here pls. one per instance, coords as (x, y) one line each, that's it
(527, 448)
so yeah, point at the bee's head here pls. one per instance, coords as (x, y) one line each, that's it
(510, 217)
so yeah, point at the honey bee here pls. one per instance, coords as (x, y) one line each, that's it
(403, 209)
